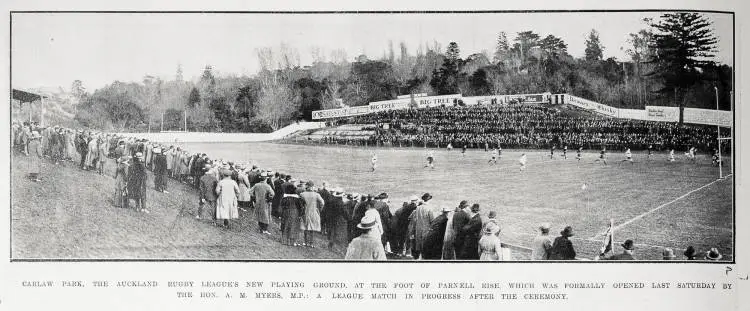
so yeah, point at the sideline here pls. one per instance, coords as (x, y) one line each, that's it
(620, 226)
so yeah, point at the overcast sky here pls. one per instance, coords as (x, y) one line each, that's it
(52, 50)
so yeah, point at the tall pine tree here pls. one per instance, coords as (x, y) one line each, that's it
(684, 45)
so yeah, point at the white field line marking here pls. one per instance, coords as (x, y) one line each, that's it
(620, 226)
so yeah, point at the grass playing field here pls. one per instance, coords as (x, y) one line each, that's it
(656, 203)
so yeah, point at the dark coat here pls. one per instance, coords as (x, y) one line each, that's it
(207, 187)
(400, 223)
(385, 217)
(562, 249)
(160, 164)
(460, 219)
(471, 233)
(137, 180)
(623, 256)
(433, 243)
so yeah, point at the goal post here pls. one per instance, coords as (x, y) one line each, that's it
(721, 160)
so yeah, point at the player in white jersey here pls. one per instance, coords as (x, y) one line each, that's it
(691, 154)
(522, 161)
(671, 155)
(374, 161)
(628, 157)
(602, 156)
(499, 152)
(430, 160)
(565, 152)
(450, 147)
(463, 151)
(493, 159)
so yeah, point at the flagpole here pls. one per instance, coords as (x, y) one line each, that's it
(612, 234)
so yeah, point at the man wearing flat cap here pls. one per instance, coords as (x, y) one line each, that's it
(261, 196)
(207, 193)
(542, 243)
(381, 205)
(400, 225)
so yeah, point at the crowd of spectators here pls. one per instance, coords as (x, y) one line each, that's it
(300, 209)
(528, 126)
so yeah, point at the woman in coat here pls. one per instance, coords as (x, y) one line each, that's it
(70, 148)
(261, 196)
(91, 152)
(311, 220)
(562, 247)
(226, 203)
(35, 155)
(244, 183)
(291, 207)
(489, 245)
(121, 181)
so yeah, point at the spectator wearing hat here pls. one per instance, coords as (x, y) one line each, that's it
(381, 205)
(542, 243)
(459, 221)
(103, 151)
(227, 191)
(627, 253)
(690, 253)
(292, 206)
(449, 250)
(471, 232)
(311, 216)
(363, 204)
(160, 170)
(244, 183)
(422, 217)
(261, 196)
(278, 189)
(91, 153)
(35, 152)
(400, 225)
(137, 183)
(121, 181)
(366, 246)
(490, 248)
(433, 243)
(668, 254)
(334, 217)
(562, 247)
(350, 206)
(713, 255)
(207, 193)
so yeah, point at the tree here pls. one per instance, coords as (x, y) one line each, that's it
(553, 46)
(194, 99)
(684, 44)
(594, 48)
(501, 48)
(453, 53)
(178, 75)
(525, 41)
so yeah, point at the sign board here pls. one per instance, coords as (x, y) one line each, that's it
(635, 114)
(530, 98)
(436, 101)
(409, 95)
(707, 116)
(340, 112)
(592, 105)
(662, 113)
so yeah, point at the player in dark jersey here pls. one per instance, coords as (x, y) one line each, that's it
(463, 151)
(578, 154)
(552, 151)
(602, 156)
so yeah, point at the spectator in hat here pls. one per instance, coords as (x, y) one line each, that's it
(207, 193)
(381, 205)
(668, 254)
(227, 191)
(690, 253)
(137, 183)
(459, 221)
(366, 246)
(121, 181)
(311, 217)
(278, 189)
(422, 217)
(335, 217)
(449, 250)
(542, 243)
(490, 248)
(627, 253)
(350, 206)
(34, 149)
(713, 255)
(400, 225)
(292, 206)
(262, 196)
(471, 232)
(243, 200)
(433, 242)
(160, 170)
(562, 247)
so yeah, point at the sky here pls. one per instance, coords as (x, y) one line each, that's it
(51, 50)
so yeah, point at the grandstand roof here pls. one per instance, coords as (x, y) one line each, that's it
(26, 97)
